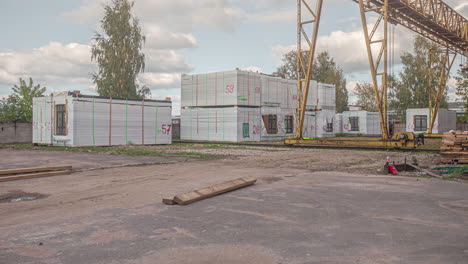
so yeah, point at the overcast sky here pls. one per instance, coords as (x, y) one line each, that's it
(49, 40)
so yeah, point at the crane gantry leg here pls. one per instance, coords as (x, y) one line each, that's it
(378, 69)
(306, 17)
(440, 63)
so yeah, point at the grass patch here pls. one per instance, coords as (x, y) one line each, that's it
(117, 150)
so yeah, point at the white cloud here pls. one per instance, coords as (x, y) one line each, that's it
(160, 80)
(53, 62)
(158, 37)
(252, 69)
(348, 49)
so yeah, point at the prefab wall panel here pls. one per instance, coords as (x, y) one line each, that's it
(221, 124)
(42, 120)
(221, 88)
(102, 122)
(319, 124)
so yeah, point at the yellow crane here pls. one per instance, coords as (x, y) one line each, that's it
(432, 19)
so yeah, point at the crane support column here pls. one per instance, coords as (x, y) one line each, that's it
(306, 18)
(440, 64)
(378, 70)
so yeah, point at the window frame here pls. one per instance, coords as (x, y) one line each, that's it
(354, 123)
(60, 120)
(245, 128)
(418, 121)
(288, 124)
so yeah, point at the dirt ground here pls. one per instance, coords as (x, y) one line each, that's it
(308, 206)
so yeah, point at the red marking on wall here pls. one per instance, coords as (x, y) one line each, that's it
(166, 129)
(230, 88)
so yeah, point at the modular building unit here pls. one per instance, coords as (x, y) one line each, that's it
(225, 99)
(361, 123)
(417, 120)
(71, 119)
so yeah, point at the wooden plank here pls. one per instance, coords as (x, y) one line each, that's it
(200, 194)
(168, 201)
(37, 169)
(34, 175)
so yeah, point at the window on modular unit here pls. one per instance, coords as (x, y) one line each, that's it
(271, 123)
(288, 124)
(420, 123)
(329, 126)
(245, 130)
(354, 122)
(60, 120)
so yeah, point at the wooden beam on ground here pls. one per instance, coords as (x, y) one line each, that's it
(200, 194)
(38, 169)
(34, 175)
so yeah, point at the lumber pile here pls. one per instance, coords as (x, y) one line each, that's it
(29, 173)
(454, 147)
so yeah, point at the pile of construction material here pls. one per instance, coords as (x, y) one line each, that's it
(454, 147)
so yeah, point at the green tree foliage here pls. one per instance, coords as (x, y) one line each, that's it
(412, 90)
(325, 70)
(18, 106)
(366, 96)
(462, 91)
(118, 53)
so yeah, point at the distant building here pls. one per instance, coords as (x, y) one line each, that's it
(458, 108)
(354, 107)
(417, 120)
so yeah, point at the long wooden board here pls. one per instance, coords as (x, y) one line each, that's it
(37, 169)
(34, 175)
(200, 194)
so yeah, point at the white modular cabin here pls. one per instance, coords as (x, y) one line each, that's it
(361, 123)
(418, 119)
(72, 120)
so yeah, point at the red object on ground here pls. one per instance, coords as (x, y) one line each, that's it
(392, 169)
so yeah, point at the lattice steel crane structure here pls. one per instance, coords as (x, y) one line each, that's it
(432, 19)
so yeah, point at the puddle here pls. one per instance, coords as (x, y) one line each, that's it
(20, 196)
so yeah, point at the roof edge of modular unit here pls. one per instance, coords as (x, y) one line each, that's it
(113, 98)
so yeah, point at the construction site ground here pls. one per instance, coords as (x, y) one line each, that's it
(308, 206)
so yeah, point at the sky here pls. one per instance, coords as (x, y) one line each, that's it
(50, 40)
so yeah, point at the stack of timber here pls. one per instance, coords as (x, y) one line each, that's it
(454, 147)
(29, 173)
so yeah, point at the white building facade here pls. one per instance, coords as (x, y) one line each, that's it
(71, 119)
(241, 106)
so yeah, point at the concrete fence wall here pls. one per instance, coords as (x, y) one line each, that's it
(12, 132)
(462, 126)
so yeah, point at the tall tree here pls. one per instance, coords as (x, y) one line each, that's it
(413, 89)
(366, 96)
(462, 91)
(325, 70)
(118, 53)
(18, 106)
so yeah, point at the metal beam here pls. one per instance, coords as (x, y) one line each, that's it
(306, 16)
(440, 64)
(378, 70)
